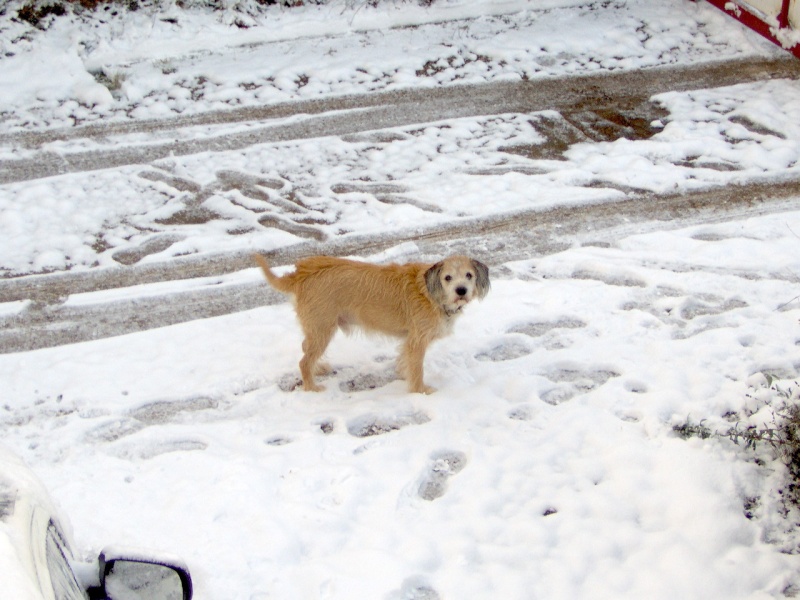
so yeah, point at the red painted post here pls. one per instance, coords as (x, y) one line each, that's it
(749, 17)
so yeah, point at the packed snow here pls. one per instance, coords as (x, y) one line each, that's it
(546, 466)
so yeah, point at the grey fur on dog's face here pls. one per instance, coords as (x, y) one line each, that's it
(454, 282)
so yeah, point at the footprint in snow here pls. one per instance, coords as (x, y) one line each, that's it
(694, 307)
(557, 395)
(289, 383)
(511, 349)
(444, 465)
(523, 412)
(550, 331)
(583, 378)
(506, 350)
(370, 424)
(709, 236)
(278, 440)
(153, 413)
(152, 449)
(162, 411)
(368, 381)
(413, 589)
(609, 277)
(114, 430)
(709, 313)
(573, 381)
(540, 328)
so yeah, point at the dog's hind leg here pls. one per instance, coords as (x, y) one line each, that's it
(314, 346)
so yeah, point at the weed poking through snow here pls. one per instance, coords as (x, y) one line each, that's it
(779, 433)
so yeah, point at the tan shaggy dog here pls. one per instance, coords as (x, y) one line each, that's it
(416, 302)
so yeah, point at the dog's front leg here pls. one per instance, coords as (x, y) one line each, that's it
(411, 365)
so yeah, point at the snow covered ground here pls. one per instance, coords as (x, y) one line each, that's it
(184, 63)
(546, 466)
(269, 195)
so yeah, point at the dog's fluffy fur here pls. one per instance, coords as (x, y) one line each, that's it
(416, 302)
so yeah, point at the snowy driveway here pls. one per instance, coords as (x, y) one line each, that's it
(642, 238)
(585, 144)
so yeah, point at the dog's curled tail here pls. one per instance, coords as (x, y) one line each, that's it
(282, 284)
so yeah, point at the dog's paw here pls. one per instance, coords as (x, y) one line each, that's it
(423, 389)
(313, 387)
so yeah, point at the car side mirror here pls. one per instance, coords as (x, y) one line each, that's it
(131, 575)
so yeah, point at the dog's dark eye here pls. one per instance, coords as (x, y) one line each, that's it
(469, 275)
(448, 278)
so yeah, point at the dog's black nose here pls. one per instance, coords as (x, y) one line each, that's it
(461, 291)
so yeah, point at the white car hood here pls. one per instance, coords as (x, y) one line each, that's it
(21, 493)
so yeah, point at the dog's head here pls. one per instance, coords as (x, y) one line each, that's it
(455, 281)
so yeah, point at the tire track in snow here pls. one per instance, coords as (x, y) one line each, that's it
(355, 114)
(47, 321)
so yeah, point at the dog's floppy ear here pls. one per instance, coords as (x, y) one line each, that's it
(482, 284)
(434, 283)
